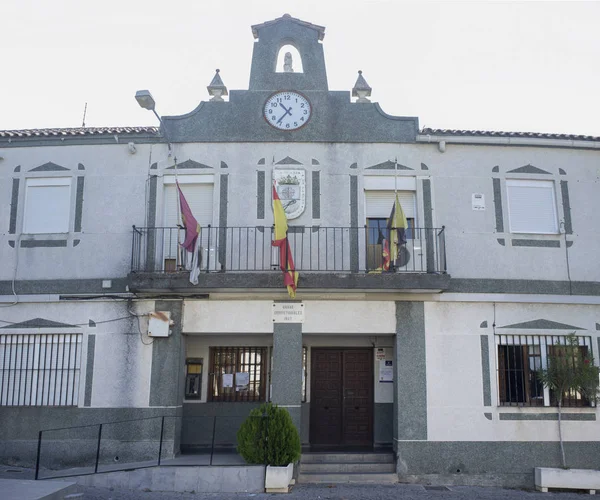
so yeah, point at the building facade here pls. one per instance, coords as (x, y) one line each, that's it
(435, 358)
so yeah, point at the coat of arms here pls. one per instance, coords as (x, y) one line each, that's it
(291, 188)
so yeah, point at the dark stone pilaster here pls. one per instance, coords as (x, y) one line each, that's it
(410, 375)
(287, 369)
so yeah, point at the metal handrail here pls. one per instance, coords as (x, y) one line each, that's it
(354, 249)
(100, 437)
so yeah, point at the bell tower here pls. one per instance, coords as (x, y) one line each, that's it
(305, 38)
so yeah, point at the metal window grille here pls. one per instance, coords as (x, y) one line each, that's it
(304, 372)
(520, 357)
(238, 373)
(40, 369)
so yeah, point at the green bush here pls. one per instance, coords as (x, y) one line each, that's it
(268, 436)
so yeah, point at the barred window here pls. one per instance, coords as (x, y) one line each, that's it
(39, 369)
(520, 357)
(238, 373)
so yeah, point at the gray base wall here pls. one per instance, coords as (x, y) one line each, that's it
(200, 420)
(383, 424)
(129, 433)
(500, 463)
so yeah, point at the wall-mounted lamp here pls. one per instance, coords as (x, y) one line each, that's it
(146, 101)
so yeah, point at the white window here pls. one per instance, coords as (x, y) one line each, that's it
(532, 206)
(47, 205)
(198, 191)
(40, 369)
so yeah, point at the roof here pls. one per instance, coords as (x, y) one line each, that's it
(287, 17)
(487, 133)
(76, 132)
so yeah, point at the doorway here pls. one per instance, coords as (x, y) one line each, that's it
(341, 409)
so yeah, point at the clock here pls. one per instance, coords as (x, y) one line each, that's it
(287, 110)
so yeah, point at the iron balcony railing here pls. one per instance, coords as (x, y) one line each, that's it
(314, 249)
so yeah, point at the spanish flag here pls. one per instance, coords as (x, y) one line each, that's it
(396, 226)
(280, 239)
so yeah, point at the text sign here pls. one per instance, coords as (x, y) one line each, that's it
(288, 313)
(478, 201)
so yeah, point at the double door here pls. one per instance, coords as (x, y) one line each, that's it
(341, 409)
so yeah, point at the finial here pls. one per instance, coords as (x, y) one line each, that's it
(286, 15)
(216, 88)
(361, 88)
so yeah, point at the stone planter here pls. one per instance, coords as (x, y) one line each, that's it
(278, 479)
(577, 479)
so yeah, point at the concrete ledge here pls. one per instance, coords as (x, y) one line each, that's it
(348, 281)
(574, 479)
(36, 490)
(234, 479)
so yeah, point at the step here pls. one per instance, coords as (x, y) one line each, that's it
(322, 457)
(312, 477)
(348, 467)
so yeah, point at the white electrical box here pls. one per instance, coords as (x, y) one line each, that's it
(158, 325)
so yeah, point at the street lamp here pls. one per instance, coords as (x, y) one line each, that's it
(146, 101)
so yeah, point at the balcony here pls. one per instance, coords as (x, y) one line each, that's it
(349, 258)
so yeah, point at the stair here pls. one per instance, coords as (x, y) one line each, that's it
(347, 468)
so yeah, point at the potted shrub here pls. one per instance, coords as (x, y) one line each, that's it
(570, 371)
(268, 436)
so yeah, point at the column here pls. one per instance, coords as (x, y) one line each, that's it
(410, 376)
(286, 373)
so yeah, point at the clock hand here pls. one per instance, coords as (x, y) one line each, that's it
(287, 112)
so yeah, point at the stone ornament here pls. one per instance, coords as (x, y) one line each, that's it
(217, 89)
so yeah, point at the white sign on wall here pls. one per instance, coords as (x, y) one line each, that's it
(386, 371)
(292, 312)
(478, 201)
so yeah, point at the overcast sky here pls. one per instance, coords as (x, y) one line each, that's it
(517, 66)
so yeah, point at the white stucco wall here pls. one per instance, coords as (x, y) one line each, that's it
(455, 404)
(122, 362)
(116, 192)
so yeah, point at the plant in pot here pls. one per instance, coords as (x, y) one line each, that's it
(268, 436)
(570, 373)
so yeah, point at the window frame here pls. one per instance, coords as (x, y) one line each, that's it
(21, 380)
(532, 183)
(216, 391)
(542, 395)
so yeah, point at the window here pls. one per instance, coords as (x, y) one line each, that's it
(193, 378)
(47, 205)
(532, 206)
(519, 359)
(40, 369)
(304, 372)
(237, 373)
(378, 208)
(198, 192)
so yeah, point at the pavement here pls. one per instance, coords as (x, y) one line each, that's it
(17, 484)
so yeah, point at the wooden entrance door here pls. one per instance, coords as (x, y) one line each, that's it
(341, 409)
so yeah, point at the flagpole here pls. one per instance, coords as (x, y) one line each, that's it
(396, 176)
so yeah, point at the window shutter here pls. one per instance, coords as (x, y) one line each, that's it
(532, 206)
(199, 198)
(379, 203)
(47, 205)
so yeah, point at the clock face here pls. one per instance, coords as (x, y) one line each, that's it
(287, 110)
